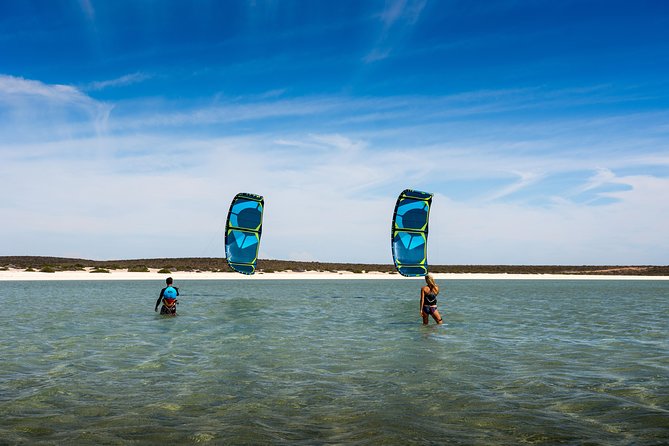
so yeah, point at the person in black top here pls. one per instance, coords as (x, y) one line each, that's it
(428, 301)
(168, 296)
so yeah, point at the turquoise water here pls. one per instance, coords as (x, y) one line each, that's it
(335, 362)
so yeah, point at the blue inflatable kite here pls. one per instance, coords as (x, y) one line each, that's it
(409, 232)
(242, 232)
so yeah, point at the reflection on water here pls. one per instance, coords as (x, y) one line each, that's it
(312, 362)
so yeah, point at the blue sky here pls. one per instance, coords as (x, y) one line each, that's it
(541, 127)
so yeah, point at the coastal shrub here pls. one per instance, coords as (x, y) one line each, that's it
(47, 269)
(29, 270)
(99, 270)
(164, 271)
(4, 268)
(72, 268)
(138, 269)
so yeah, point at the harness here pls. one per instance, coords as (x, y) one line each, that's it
(169, 307)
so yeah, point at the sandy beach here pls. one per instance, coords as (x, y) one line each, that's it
(19, 274)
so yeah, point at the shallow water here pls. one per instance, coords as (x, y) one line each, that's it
(344, 362)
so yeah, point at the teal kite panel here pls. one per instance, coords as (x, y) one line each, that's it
(409, 232)
(243, 229)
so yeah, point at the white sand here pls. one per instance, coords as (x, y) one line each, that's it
(19, 274)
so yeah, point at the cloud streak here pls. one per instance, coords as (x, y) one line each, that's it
(34, 110)
(329, 184)
(122, 81)
(15, 88)
(397, 19)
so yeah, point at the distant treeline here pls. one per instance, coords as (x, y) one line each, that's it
(214, 264)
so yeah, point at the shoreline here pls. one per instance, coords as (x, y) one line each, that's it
(153, 275)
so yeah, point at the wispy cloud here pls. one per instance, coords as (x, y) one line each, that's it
(112, 200)
(377, 54)
(34, 110)
(329, 112)
(87, 8)
(127, 79)
(315, 166)
(602, 176)
(342, 143)
(407, 11)
(525, 179)
(398, 17)
(12, 89)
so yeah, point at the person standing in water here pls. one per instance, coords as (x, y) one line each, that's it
(168, 296)
(428, 301)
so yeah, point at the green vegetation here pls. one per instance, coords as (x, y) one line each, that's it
(99, 270)
(138, 269)
(164, 271)
(216, 264)
(30, 270)
(47, 269)
(76, 267)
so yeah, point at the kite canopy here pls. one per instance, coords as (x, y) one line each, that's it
(242, 232)
(409, 232)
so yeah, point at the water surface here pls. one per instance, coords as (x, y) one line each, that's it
(335, 362)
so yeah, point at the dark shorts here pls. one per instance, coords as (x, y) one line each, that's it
(168, 310)
(428, 309)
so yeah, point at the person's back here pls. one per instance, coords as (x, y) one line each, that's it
(428, 301)
(168, 297)
(430, 295)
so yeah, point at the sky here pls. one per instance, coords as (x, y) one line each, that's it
(541, 127)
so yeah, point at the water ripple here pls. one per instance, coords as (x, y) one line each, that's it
(289, 362)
